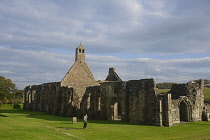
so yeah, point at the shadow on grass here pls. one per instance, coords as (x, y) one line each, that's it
(201, 123)
(14, 111)
(118, 122)
(68, 128)
(33, 114)
(50, 117)
(3, 115)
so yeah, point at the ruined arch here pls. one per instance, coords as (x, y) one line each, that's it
(33, 93)
(99, 103)
(69, 96)
(88, 101)
(29, 96)
(69, 99)
(85, 104)
(115, 109)
(185, 110)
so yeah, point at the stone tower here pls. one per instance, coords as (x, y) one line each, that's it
(79, 76)
(113, 76)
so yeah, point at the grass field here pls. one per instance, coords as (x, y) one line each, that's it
(16, 124)
(163, 90)
(206, 93)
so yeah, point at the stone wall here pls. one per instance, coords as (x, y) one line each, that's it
(188, 101)
(50, 98)
(90, 103)
(133, 101)
(142, 101)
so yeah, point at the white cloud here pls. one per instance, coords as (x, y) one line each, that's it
(165, 40)
(6, 72)
(34, 67)
(149, 26)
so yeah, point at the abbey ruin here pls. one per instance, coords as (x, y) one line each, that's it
(134, 101)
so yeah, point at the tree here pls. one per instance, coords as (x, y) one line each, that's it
(8, 90)
(18, 97)
(165, 85)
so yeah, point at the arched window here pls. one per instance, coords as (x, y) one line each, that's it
(33, 95)
(88, 102)
(185, 111)
(99, 103)
(29, 96)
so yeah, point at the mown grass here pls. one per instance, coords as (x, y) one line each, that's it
(19, 124)
(163, 90)
(207, 94)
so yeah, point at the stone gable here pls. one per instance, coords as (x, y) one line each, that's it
(79, 75)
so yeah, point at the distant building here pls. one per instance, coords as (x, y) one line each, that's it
(135, 101)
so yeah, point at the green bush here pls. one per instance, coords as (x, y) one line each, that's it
(11, 106)
(165, 85)
(16, 106)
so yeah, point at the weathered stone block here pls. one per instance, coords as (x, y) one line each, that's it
(74, 120)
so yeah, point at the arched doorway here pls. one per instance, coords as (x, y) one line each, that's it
(115, 110)
(185, 111)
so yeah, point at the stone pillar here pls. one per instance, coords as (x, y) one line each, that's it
(159, 117)
(168, 103)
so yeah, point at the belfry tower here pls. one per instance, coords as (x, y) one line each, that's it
(80, 54)
(79, 76)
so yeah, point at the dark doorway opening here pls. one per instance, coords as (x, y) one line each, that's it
(185, 111)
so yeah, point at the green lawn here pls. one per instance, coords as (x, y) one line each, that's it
(207, 94)
(163, 90)
(18, 124)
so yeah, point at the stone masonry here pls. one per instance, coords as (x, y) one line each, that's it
(79, 77)
(134, 101)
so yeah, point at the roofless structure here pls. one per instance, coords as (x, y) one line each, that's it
(135, 101)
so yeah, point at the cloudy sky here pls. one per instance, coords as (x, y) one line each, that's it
(168, 40)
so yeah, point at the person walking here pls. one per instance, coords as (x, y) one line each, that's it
(85, 121)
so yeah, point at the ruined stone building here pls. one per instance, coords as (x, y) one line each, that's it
(79, 76)
(135, 101)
